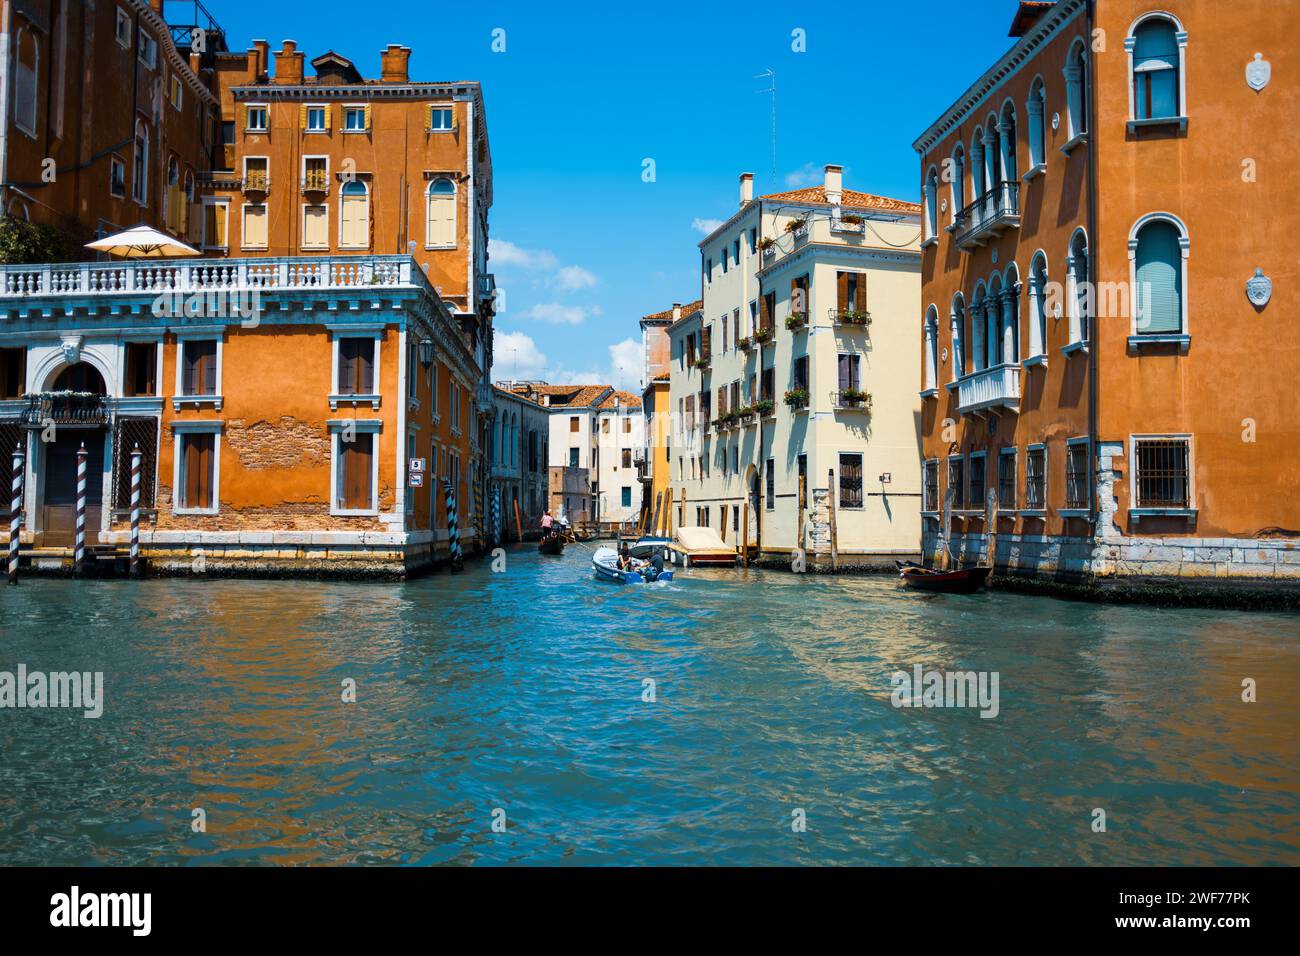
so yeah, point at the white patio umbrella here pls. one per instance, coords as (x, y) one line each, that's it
(142, 242)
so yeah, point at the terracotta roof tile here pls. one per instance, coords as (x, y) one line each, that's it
(849, 197)
(622, 398)
(687, 309)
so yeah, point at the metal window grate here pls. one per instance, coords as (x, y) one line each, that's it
(850, 481)
(957, 482)
(1007, 481)
(11, 437)
(1035, 479)
(129, 433)
(976, 482)
(931, 486)
(1076, 476)
(1162, 472)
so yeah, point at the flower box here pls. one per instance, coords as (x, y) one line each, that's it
(797, 398)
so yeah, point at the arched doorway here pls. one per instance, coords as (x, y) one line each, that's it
(75, 421)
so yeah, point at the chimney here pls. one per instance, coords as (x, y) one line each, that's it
(394, 64)
(746, 188)
(263, 58)
(157, 6)
(288, 65)
(677, 311)
(196, 63)
(834, 184)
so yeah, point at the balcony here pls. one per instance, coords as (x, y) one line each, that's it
(996, 387)
(988, 216)
(64, 408)
(257, 181)
(316, 181)
(851, 400)
(850, 318)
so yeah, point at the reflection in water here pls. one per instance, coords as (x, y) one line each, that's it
(524, 691)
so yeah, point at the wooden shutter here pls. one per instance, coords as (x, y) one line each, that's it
(315, 230)
(842, 291)
(189, 368)
(860, 293)
(208, 351)
(347, 366)
(329, 118)
(706, 341)
(366, 121)
(197, 461)
(356, 458)
(255, 226)
(243, 117)
(302, 116)
(764, 315)
(366, 366)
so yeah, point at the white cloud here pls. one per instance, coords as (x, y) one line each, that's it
(570, 278)
(508, 254)
(557, 314)
(805, 175)
(705, 226)
(516, 355)
(625, 365)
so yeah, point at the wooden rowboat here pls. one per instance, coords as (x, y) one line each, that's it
(963, 581)
(551, 544)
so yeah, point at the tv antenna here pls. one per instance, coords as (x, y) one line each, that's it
(771, 78)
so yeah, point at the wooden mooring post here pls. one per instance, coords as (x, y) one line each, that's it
(830, 511)
(803, 492)
(744, 541)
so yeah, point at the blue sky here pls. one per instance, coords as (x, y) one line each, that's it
(584, 93)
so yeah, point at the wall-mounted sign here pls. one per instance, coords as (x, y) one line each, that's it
(1258, 72)
(886, 478)
(1259, 289)
(416, 464)
(415, 479)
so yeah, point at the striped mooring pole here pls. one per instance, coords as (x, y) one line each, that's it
(496, 516)
(136, 457)
(453, 532)
(15, 512)
(79, 547)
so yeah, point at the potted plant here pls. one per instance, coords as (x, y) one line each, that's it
(797, 398)
(744, 343)
(766, 243)
(854, 316)
(796, 225)
(852, 397)
(762, 334)
(851, 219)
(702, 362)
(764, 407)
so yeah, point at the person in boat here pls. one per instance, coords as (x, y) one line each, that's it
(624, 559)
(654, 567)
(548, 524)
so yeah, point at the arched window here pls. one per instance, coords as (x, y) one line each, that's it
(978, 306)
(1158, 249)
(1078, 288)
(186, 226)
(26, 71)
(1010, 327)
(1007, 136)
(958, 181)
(173, 196)
(977, 165)
(958, 325)
(440, 228)
(1076, 90)
(1038, 305)
(993, 323)
(931, 203)
(1036, 108)
(931, 349)
(354, 215)
(1156, 54)
(140, 172)
(81, 377)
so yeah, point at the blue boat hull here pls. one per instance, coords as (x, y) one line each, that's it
(605, 566)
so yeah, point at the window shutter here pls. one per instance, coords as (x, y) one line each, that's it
(302, 116)
(188, 368)
(366, 122)
(1159, 278)
(860, 293)
(347, 367)
(209, 373)
(844, 371)
(367, 367)
(842, 291)
(329, 117)
(243, 117)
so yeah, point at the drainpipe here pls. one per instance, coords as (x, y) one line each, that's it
(1094, 255)
(5, 17)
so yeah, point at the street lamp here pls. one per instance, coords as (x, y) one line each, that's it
(426, 352)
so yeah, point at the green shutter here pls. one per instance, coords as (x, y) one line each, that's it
(1159, 278)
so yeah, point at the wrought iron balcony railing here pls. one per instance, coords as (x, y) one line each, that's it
(991, 214)
(64, 408)
(316, 181)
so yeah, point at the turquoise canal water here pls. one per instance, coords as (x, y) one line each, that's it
(523, 691)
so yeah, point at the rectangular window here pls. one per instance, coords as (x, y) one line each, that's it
(848, 371)
(930, 500)
(627, 458)
(177, 93)
(227, 133)
(801, 372)
(604, 422)
(957, 481)
(803, 481)
(724, 260)
(1036, 479)
(315, 119)
(123, 29)
(356, 366)
(140, 372)
(214, 225)
(769, 490)
(850, 481)
(627, 425)
(355, 472)
(354, 119)
(315, 227)
(13, 377)
(1162, 476)
(148, 49)
(198, 471)
(441, 119)
(315, 173)
(573, 424)
(1076, 475)
(753, 241)
(976, 497)
(573, 460)
(256, 119)
(735, 251)
(627, 496)
(199, 367)
(255, 226)
(117, 177)
(1007, 479)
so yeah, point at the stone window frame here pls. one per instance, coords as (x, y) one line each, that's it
(302, 226)
(1030, 450)
(337, 332)
(1137, 512)
(243, 226)
(1130, 44)
(1183, 337)
(179, 430)
(179, 398)
(248, 118)
(370, 426)
(215, 201)
(1070, 445)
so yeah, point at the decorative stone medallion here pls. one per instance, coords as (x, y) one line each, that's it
(1258, 72)
(71, 345)
(1259, 289)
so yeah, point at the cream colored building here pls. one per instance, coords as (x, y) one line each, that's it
(802, 363)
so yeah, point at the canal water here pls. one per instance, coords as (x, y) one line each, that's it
(523, 698)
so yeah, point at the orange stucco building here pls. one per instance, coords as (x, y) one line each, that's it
(312, 395)
(1104, 380)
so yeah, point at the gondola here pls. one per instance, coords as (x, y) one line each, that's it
(605, 565)
(551, 544)
(962, 581)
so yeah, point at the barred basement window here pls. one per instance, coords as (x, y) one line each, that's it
(931, 502)
(1035, 479)
(957, 481)
(1007, 479)
(1162, 478)
(850, 481)
(1076, 475)
(977, 481)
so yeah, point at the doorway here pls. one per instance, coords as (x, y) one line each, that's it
(59, 510)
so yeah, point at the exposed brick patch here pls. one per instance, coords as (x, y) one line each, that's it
(286, 444)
